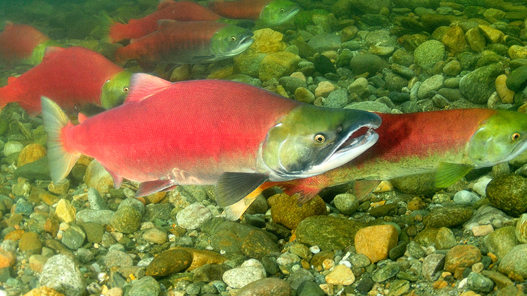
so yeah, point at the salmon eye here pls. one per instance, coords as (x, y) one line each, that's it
(320, 138)
(126, 89)
(282, 10)
(515, 136)
(233, 38)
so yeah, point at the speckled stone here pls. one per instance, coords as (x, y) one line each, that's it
(126, 220)
(509, 194)
(285, 209)
(329, 233)
(31, 153)
(501, 241)
(193, 216)
(169, 262)
(61, 274)
(461, 257)
(478, 85)
(247, 273)
(448, 216)
(266, 287)
(30, 242)
(276, 65)
(145, 286)
(428, 53)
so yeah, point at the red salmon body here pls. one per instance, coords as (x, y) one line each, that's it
(72, 77)
(184, 11)
(17, 42)
(240, 9)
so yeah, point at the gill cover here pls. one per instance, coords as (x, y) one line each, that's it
(230, 41)
(311, 140)
(500, 138)
(114, 91)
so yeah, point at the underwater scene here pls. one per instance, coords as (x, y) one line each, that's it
(263, 147)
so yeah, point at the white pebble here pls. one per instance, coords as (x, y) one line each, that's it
(346, 263)
(315, 249)
(481, 185)
(465, 197)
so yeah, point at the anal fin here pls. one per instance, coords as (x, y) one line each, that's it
(233, 187)
(150, 187)
(361, 188)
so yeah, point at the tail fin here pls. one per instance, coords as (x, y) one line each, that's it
(60, 161)
(106, 23)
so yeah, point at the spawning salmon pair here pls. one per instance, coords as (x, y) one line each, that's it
(245, 139)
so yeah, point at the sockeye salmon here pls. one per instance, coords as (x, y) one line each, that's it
(270, 12)
(183, 11)
(450, 142)
(22, 44)
(207, 132)
(73, 76)
(187, 42)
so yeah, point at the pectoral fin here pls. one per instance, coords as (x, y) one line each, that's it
(233, 187)
(150, 187)
(449, 173)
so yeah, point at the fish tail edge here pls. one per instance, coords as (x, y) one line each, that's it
(55, 120)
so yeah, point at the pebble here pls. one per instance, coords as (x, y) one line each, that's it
(479, 283)
(429, 53)
(376, 241)
(465, 197)
(95, 216)
(482, 230)
(329, 233)
(340, 275)
(30, 242)
(367, 63)
(509, 194)
(277, 64)
(506, 95)
(97, 177)
(514, 261)
(7, 258)
(73, 237)
(12, 147)
(155, 235)
(447, 216)
(478, 85)
(432, 266)
(247, 273)
(193, 216)
(61, 273)
(480, 187)
(346, 203)
(460, 257)
(95, 200)
(145, 286)
(31, 153)
(65, 211)
(43, 291)
(266, 287)
(385, 273)
(501, 241)
(324, 88)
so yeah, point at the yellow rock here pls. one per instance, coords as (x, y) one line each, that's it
(65, 211)
(202, 257)
(376, 241)
(517, 52)
(31, 153)
(495, 36)
(341, 275)
(267, 41)
(285, 209)
(43, 291)
(454, 39)
(506, 95)
(475, 39)
(221, 73)
(180, 73)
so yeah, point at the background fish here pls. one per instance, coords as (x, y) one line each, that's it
(270, 12)
(22, 44)
(184, 11)
(187, 42)
(451, 143)
(73, 76)
(207, 132)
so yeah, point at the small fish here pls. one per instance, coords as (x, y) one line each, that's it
(187, 42)
(22, 44)
(207, 132)
(183, 11)
(73, 76)
(450, 142)
(270, 12)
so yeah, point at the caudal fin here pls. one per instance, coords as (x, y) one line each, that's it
(60, 160)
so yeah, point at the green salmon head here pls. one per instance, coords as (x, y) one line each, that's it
(500, 138)
(230, 41)
(311, 140)
(278, 12)
(115, 90)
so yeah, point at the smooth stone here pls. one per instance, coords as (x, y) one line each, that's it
(460, 257)
(95, 216)
(359, 88)
(239, 277)
(517, 79)
(506, 95)
(479, 283)
(346, 203)
(430, 85)
(30, 242)
(336, 99)
(488, 215)
(324, 88)
(94, 231)
(501, 241)
(465, 197)
(324, 65)
(276, 65)
(302, 94)
(480, 187)
(285, 209)
(290, 84)
(325, 41)
(126, 220)
(12, 147)
(515, 261)
(340, 275)
(155, 235)
(193, 216)
(509, 194)
(329, 233)
(521, 229)
(367, 62)
(478, 85)
(266, 287)
(452, 68)
(37, 170)
(309, 288)
(61, 273)
(386, 272)
(445, 239)
(432, 265)
(517, 52)
(73, 237)
(475, 39)
(146, 286)
(494, 35)
(454, 39)
(117, 258)
(369, 106)
(95, 200)
(376, 241)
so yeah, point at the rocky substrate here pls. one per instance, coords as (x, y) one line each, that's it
(83, 237)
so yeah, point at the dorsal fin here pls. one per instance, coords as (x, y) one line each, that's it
(51, 51)
(144, 85)
(163, 4)
(165, 23)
